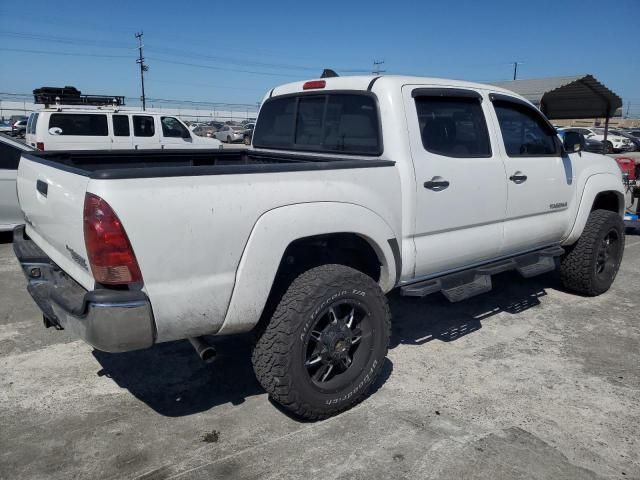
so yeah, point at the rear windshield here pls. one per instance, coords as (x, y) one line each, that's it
(83, 124)
(335, 122)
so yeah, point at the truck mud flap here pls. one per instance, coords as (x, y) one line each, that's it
(474, 281)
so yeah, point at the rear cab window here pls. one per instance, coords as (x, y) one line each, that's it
(81, 124)
(332, 122)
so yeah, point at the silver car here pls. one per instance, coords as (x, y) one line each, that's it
(10, 213)
(230, 133)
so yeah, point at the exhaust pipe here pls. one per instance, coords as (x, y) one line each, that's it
(205, 351)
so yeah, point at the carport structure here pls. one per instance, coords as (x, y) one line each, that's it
(579, 96)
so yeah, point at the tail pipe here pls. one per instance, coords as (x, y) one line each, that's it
(205, 351)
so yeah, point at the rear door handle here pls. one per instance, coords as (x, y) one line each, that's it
(518, 177)
(437, 184)
(42, 187)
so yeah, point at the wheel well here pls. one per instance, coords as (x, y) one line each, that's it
(607, 201)
(305, 253)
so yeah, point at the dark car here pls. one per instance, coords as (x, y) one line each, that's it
(589, 145)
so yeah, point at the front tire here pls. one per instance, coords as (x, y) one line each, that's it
(326, 342)
(590, 266)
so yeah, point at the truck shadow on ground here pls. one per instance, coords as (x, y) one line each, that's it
(172, 380)
(417, 321)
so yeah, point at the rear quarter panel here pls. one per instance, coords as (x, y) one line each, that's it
(189, 233)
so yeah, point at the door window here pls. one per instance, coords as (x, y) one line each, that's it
(453, 126)
(143, 126)
(524, 132)
(81, 124)
(121, 125)
(171, 127)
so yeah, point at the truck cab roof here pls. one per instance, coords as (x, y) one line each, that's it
(367, 82)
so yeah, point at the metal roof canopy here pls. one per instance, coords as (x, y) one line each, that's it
(579, 96)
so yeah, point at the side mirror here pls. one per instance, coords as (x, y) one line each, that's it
(572, 142)
(55, 131)
(186, 134)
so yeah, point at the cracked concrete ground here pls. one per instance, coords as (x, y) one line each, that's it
(525, 382)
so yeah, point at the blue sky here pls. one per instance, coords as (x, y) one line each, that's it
(234, 51)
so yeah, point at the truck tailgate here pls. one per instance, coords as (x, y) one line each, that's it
(52, 200)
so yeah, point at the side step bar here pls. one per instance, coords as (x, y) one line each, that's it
(469, 283)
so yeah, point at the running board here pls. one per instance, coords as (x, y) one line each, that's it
(474, 281)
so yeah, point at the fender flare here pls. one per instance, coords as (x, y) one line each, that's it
(595, 184)
(273, 233)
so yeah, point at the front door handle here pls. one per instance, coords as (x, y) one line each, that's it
(437, 184)
(518, 177)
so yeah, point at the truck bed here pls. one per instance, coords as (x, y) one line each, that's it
(122, 164)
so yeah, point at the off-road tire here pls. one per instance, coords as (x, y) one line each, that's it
(578, 265)
(278, 356)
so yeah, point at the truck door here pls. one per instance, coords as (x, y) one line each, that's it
(461, 187)
(121, 137)
(540, 188)
(145, 134)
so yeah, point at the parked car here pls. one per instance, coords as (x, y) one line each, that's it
(5, 127)
(635, 133)
(247, 135)
(634, 140)
(10, 152)
(93, 129)
(204, 131)
(589, 145)
(230, 133)
(19, 128)
(354, 186)
(614, 143)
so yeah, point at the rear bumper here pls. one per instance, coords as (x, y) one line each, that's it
(109, 320)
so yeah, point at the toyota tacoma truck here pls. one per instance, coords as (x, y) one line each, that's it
(353, 187)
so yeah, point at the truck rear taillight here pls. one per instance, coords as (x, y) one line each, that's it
(110, 254)
(314, 84)
(40, 146)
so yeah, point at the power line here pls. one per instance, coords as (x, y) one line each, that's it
(70, 54)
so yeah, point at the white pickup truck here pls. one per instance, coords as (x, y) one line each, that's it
(354, 186)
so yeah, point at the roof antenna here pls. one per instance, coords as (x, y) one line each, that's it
(328, 73)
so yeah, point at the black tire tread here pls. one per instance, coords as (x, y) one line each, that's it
(576, 266)
(270, 356)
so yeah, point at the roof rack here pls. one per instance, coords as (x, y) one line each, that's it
(72, 96)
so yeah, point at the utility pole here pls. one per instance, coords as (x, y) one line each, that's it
(376, 67)
(515, 69)
(628, 106)
(143, 68)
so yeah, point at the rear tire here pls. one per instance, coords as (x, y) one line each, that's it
(590, 265)
(326, 342)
